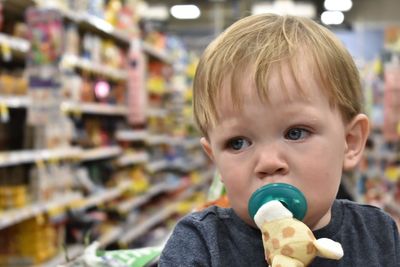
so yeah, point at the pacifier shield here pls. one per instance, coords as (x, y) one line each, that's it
(291, 197)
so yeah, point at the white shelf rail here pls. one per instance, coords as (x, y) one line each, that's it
(100, 153)
(29, 156)
(14, 216)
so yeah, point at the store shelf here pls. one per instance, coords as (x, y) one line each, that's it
(83, 23)
(158, 217)
(178, 163)
(97, 68)
(131, 135)
(95, 23)
(132, 158)
(68, 106)
(94, 108)
(103, 196)
(157, 139)
(111, 236)
(85, 19)
(73, 252)
(15, 101)
(191, 143)
(157, 112)
(156, 53)
(137, 201)
(14, 43)
(156, 166)
(30, 156)
(138, 230)
(14, 216)
(191, 165)
(100, 153)
(172, 141)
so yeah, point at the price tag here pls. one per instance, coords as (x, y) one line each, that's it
(56, 210)
(6, 52)
(4, 113)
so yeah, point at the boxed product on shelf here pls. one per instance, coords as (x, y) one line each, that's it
(30, 242)
(13, 84)
(51, 180)
(12, 196)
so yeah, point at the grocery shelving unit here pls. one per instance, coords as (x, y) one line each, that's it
(107, 165)
(376, 181)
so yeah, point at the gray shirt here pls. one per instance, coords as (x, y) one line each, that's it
(218, 237)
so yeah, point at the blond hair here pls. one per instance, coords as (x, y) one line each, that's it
(266, 41)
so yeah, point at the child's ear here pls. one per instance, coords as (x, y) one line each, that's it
(207, 147)
(356, 136)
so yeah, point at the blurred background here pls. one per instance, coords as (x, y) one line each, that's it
(97, 139)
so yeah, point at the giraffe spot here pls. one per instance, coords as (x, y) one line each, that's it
(288, 232)
(275, 243)
(287, 250)
(266, 236)
(310, 248)
(278, 265)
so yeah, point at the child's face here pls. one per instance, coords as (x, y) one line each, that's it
(300, 141)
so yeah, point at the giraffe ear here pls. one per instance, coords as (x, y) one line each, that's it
(327, 248)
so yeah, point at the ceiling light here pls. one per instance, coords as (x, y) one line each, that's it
(185, 11)
(157, 12)
(338, 5)
(332, 17)
(285, 7)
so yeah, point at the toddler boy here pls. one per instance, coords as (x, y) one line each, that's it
(278, 100)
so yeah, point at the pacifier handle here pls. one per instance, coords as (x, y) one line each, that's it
(291, 197)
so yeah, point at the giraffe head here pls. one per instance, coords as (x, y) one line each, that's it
(286, 236)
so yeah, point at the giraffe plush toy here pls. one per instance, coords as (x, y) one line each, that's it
(287, 241)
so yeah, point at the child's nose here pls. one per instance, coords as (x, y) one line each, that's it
(271, 162)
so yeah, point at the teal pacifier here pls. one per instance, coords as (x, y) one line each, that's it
(291, 197)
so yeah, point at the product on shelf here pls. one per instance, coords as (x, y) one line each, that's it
(51, 181)
(136, 90)
(28, 243)
(1, 16)
(13, 84)
(14, 196)
(71, 40)
(112, 11)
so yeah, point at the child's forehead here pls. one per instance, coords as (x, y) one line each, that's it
(287, 81)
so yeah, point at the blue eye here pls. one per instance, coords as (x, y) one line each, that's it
(238, 143)
(296, 134)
